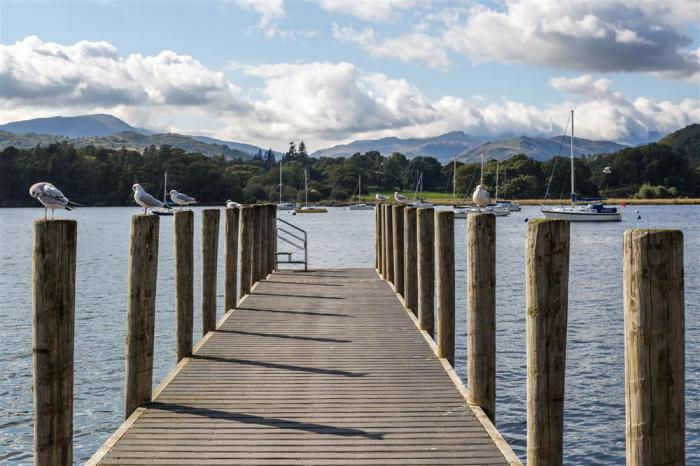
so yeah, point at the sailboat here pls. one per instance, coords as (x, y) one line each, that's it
(496, 209)
(593, 212)
(512, 206)
(419, 202)
(283, 205)
(167, 209)
(359, 205)
(309, 209)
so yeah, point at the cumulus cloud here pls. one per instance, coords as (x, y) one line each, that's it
(321, 102)
(269, 10)
(369, 10)
(589, 36)
(415, 47)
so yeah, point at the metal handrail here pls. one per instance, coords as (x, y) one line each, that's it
(285, 235)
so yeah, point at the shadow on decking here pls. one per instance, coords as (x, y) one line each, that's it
(304, 313)
(256, 293)
(323, 429)
(286, 367)
(309, 283)
(286, 337)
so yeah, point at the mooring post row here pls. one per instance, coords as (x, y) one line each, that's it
(410, 260)
(445, 283)
(425, 237)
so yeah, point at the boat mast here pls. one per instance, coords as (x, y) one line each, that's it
(165, 187)
(481, 180)
(454, 183)
(280, 181)
(359, 187)
(573, 195)
(306, 188)
(496, 181)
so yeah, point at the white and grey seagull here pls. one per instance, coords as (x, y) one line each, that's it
(380, 197)
(481, 197)
(400, 197)
(181, 199)
(144, 199)
(50, 197)
(232, 205)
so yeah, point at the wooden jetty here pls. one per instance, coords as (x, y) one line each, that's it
(323, 368)
(352, 366)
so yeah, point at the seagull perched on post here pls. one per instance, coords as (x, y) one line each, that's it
(481, 197)
(400, 197)
(380, 197)
(181, 199)
(232, 205)
(50, 197)
(144, 199)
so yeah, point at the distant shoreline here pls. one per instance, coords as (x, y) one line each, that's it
(442, 202)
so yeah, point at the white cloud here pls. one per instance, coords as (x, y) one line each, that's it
(590, 36)
(321, 102)
(414, 47)
(370, 10)
(269, 10)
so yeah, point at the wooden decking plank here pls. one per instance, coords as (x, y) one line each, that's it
(314, 368)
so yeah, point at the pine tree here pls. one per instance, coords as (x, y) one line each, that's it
(291, 153)
(269, 158)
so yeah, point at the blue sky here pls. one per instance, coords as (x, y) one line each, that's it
(329, 71)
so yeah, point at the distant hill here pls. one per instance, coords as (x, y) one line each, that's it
(538, 148)
(127, 139)
(29, 133)
(685, 142)
(72, 127)
(442, 147)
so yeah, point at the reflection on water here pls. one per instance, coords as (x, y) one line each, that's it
(594, 420)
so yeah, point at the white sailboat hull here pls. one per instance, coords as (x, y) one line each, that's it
(361, 207)
(580, 215)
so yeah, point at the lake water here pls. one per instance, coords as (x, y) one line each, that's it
(595, 412)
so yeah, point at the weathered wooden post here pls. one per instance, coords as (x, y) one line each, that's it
(141, 310)
(53, 326)
(244, 253)
(183, 223)
(481, 312)
(260, 242)
(425, 235)
(273, 237)
(210, 251)
(255, 238)
(389, 244)
(445, 283)
(265, 240)
(654, 347)
(397, 237)
(547, 283)
(382, 227)
(410, 260)
(377, 238)
(231, 227)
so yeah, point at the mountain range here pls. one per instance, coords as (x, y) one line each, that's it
(109, 131)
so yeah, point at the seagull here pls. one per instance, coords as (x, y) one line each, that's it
(181, 199)
(380, 197)
(232, 205)
(400, 197)
(51, 197)
(144, 199)
(481, 197)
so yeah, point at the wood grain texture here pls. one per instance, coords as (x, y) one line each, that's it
(397, 238)
(377, 238)
(388, 228)
(304, 372)
(183, 224)
(53, 323)
(481, 312)
(410, 260)
(654, 347)
(256, 236)
(547, 292)
(425, 236)
(231, 237)
(210, 251)
(245, 222)
(141, 311)
(445, 283)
